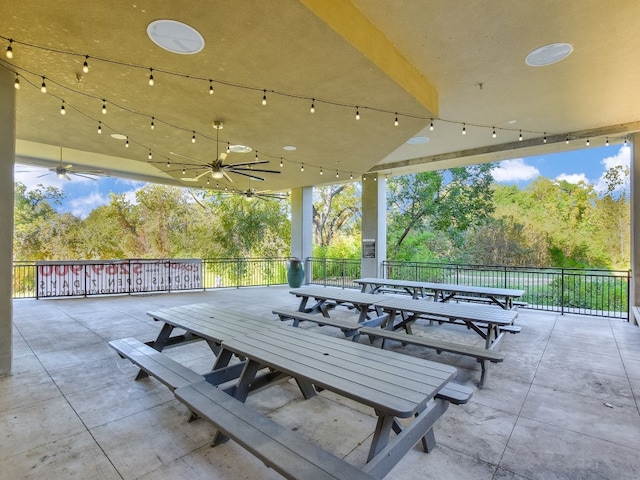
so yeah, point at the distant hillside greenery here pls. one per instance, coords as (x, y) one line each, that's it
(458, 215)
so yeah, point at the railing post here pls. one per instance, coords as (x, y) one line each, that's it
(562, 291)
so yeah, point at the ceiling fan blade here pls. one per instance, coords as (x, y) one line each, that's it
(253, 162)
(226, 176)
(255, 177)
(253, 170)
(84, 176)
(67, 177)
(44, 174)
(68, 167)
(198, 162)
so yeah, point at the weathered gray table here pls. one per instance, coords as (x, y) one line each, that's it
(329, 297)
(444, 292)
(395, 385)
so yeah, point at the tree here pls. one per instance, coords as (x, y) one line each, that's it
(336, 214)
(438, 205)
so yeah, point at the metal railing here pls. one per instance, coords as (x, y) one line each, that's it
(587, 292)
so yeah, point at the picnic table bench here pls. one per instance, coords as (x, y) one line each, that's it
(348, 327)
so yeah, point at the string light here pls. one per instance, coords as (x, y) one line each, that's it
(588, 142)
(151, 82)
(210, 87)
(168, 163)
(351, 176)
(256, 155)
(85, 65)
(625, 141)
(375, 179)
(431, 125)
(607, 142)
(9, 49)
(396, 121)
(313, 107)
(281, 164)
(364, 178)
(99, 128)
(16, 83)
(228, 147)
(104, 107)
(520, 136)
(193, 137)
(544, 140)
(184, 171)
(566, 140)
(357, 113)
(150, 155)
(464, 129)
(494, 132)
(153, 125)
(302, 167)
(126, 144)
(43, 87)
(321, 172)
(62, 109)
(337, 174)
(264, 97)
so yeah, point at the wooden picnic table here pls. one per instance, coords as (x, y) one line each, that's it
(329, 297)
(394, 385)
(444, 292)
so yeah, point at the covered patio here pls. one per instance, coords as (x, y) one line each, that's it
(563, 404)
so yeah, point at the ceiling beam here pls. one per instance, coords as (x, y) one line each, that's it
(346, 20)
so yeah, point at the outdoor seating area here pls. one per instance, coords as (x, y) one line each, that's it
(564, 403)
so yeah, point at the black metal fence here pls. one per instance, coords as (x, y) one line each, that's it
(587, 292)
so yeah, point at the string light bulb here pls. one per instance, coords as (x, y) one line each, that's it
(126, 144)
(494, 132)
(16, 83)
(193, 137)
(364, 178)
(63, 111)
(264, 97)
(395, 123)
(43, 87)
(544, 139)
(104, 107)
(351, 176)
(625, 141)
(210, 87)
(302, 167)
(321, 172)
(153, 125)
(313, 106)
(464, 129)
(9, 52)
(566, 140)
(588, 142)
(228, 147)
(607, 142)
(99, 128)
(168, 163)
(357, 113)
(281, 163)
(150, 156)
(520, 136)
(431, 125)
(184, 171)
(337, 174)
(151, 82)
(85, 65)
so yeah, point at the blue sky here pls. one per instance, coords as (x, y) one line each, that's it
(588, 165)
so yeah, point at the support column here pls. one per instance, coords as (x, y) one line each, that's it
(7, 159)
(374, 225)
(634, 296)
(302, 225)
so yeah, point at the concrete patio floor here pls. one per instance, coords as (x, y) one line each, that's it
(563, 405)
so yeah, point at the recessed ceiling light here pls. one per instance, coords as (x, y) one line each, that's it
(118, 136)
(176, 37)
(417, 140)
(239, 148)
(549, 54)
(290, 148)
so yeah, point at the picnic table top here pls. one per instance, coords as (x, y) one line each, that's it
(453, 311)
(338, 294)
(399, 385)
(437, 286)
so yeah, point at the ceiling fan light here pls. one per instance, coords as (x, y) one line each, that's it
(217, 174)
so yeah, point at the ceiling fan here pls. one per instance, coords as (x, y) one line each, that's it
(262, 195)
(63, 171)
(218, 169)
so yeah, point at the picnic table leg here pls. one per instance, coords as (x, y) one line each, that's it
(381, 434)
(158, 344)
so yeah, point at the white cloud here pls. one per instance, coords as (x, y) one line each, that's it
(82, 206)
(515, 170)
(622, 158)
(574, 178)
